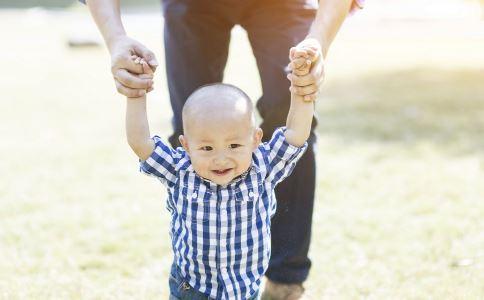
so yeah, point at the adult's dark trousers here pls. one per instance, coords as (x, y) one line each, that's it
(197, 36)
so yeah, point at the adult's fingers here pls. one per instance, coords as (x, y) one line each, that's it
(304, 90)
(313, 54)
(291, 52)
(301, 71)
(148, 55)
(129, 92)
(132, 81)
(147, 69)
(298, 53)
(317, 71)
(311, 97)
(125, 61)
(303, 80)
(300, 62)
(148, 73)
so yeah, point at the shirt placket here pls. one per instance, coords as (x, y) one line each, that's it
(222, 257)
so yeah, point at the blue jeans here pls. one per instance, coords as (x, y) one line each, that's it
(181, 290)
(197, 36)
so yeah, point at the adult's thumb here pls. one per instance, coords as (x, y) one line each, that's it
(147, 55)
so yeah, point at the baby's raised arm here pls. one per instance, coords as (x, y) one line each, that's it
(137, 127)
(301, 111)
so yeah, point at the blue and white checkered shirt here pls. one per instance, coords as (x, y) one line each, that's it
(221, 235)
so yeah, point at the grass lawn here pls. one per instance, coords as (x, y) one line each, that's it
(399, 208)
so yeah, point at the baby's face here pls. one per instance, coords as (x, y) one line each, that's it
(220, 149)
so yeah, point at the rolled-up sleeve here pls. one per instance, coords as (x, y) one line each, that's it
(282, 156)
(161, 163)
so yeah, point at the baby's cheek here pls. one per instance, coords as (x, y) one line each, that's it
(245, 161)
(200, 165)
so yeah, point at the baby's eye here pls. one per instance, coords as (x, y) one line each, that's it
(206, 148)
(233, 146)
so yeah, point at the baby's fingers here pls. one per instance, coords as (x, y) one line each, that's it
(313, 54)
(146, 68)
(296, 52)
(298, 63)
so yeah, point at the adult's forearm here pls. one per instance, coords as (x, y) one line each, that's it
(329, 18)
(107, 16)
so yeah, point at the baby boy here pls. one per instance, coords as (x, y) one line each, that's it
(220, 186)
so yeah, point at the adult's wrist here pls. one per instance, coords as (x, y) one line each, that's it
(114, 39)
(321, 41)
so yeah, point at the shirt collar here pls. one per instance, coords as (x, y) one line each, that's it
(233, 182)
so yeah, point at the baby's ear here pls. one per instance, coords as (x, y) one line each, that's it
(258, 133)
(183, 142)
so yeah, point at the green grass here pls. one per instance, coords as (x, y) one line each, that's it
(401, 172)
(399, 207)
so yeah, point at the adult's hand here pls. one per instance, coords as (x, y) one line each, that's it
(125, 71)
(308, 85)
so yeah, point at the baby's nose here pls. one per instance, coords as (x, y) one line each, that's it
(220, 159)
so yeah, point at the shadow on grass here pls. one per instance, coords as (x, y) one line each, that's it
(441, 107)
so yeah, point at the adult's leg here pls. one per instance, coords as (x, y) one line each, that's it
(196, 35)
(273, 27)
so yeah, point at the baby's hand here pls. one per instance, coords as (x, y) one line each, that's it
(307, 68)
(147, 71)
(301, 59)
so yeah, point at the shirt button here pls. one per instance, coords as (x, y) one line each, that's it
(194, 195)
(251, 194)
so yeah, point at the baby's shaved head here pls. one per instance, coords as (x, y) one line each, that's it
(218, 101)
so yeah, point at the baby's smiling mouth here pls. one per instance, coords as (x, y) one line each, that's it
(221, 172)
